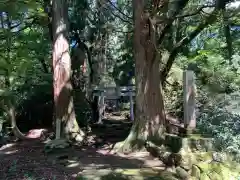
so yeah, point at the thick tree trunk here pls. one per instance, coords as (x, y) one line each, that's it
(63, 91)
(150, 116)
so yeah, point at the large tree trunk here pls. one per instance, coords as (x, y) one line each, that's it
(150, 116)
(63, 91)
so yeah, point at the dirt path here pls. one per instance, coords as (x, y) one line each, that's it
(26, 161)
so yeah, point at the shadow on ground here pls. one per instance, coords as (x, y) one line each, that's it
(26, 160)
(111, 131)
(132, 176)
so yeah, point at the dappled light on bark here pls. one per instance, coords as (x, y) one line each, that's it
(150, 117)
(63, 91)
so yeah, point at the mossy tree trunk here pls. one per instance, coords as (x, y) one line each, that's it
(63, 90)
(150, 115)
(152, 22)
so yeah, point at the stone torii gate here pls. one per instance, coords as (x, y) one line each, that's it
(189, 96)
(114, 93)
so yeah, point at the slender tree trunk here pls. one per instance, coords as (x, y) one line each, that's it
(150, 116)
(10, 108)
(48, 10)
(228, 36)
(63, 91)
(11, 114)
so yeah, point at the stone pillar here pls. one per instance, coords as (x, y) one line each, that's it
(101, 105)
(117, 101)
(131, 104)
(189, 95)
(58, 129)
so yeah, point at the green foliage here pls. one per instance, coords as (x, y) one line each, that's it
(25, 56)
(224, 126)
(24, 53)
(123, 70)
(217, 79)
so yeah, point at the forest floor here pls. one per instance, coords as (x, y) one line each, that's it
(26, 160)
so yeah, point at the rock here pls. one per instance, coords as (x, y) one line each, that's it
(196, 172)
(36, 133)
(190, 143)
(117, 113)
(203, 156)
(219, 157)
(56, 144)
(182, 174)
(204, 167)
(187, 161)
(216, 171)
(61, 157)
(216, 167)
(204, 176)
(225, 172)
(215, 176)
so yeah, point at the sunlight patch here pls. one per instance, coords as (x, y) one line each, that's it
(7, 146)
(73, 165)
(11, 152)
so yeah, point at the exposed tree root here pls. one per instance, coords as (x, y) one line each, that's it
(130, 144)
(136, 142)
(56, 144)
(167, 157)
(17, 133)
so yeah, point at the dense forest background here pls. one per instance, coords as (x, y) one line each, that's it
(200, 35)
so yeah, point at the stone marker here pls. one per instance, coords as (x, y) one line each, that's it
(58, 129)
(131, 105)
(101, 107)
(189, 94)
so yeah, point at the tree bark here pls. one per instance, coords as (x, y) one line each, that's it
(48, 10)
(150, 116)
(63, 91)
(228, 36)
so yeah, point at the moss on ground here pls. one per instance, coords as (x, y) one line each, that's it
(129, 174)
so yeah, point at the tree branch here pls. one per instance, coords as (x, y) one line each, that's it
(178, 7)
(228, 36)
(48, 10)
(184, 41)
(119, 17)
(28, 25)
(125, 32)
(115, 7)
(200, 9)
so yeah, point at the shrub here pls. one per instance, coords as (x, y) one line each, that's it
(223, 125)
